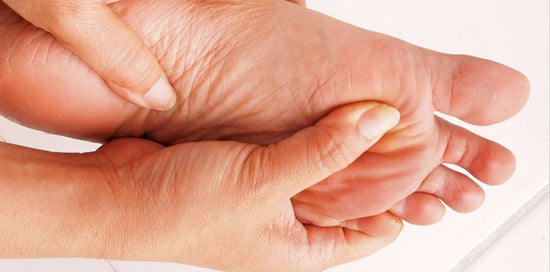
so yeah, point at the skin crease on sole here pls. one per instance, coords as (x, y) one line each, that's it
(290, 85)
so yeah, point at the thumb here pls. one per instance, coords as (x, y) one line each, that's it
(298, 2)
(332, 144)
(93, 32)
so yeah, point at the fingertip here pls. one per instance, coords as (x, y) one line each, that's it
(298, 2)
(161, 96)
(332, 144)
(376, 121)
(158, 96)
(115, 52)
(384, 224)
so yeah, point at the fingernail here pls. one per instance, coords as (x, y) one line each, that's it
(378, 120)
(161, 96)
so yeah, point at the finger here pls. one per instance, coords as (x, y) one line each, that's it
(376, 226)
(32, 62)
(364, 188)
(92, 31)
(477, 91)
(419, 209)
(330, 145)
(298, 2)
(306, 214)
(486, 160)
(121, 152)
(372, 225)
(457, 190)
(347, 244)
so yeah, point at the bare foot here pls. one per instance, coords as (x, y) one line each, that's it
(235, 214)
(258, 71)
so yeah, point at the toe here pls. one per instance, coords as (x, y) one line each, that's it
(457, 190)
(477, 91)
(486, 160)
(420, 209)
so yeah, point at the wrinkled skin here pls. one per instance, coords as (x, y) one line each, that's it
(136, 199)
(258, 71)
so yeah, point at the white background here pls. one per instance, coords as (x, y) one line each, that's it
(510, 232)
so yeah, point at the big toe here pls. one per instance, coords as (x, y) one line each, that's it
(478, 91)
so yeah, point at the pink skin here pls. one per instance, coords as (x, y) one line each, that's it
(135, 199)
(274, 69)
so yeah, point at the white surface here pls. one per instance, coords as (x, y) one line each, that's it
(529, 240)
(13, 133)
(511, 32)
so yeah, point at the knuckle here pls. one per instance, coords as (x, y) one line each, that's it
(254, 171)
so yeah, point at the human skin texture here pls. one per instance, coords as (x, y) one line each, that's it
(138, 200)
(92, 31)
(259, 71)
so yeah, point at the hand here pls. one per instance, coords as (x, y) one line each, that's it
(299, 2)
(224, 205)
(261, 83)
(93, 32)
